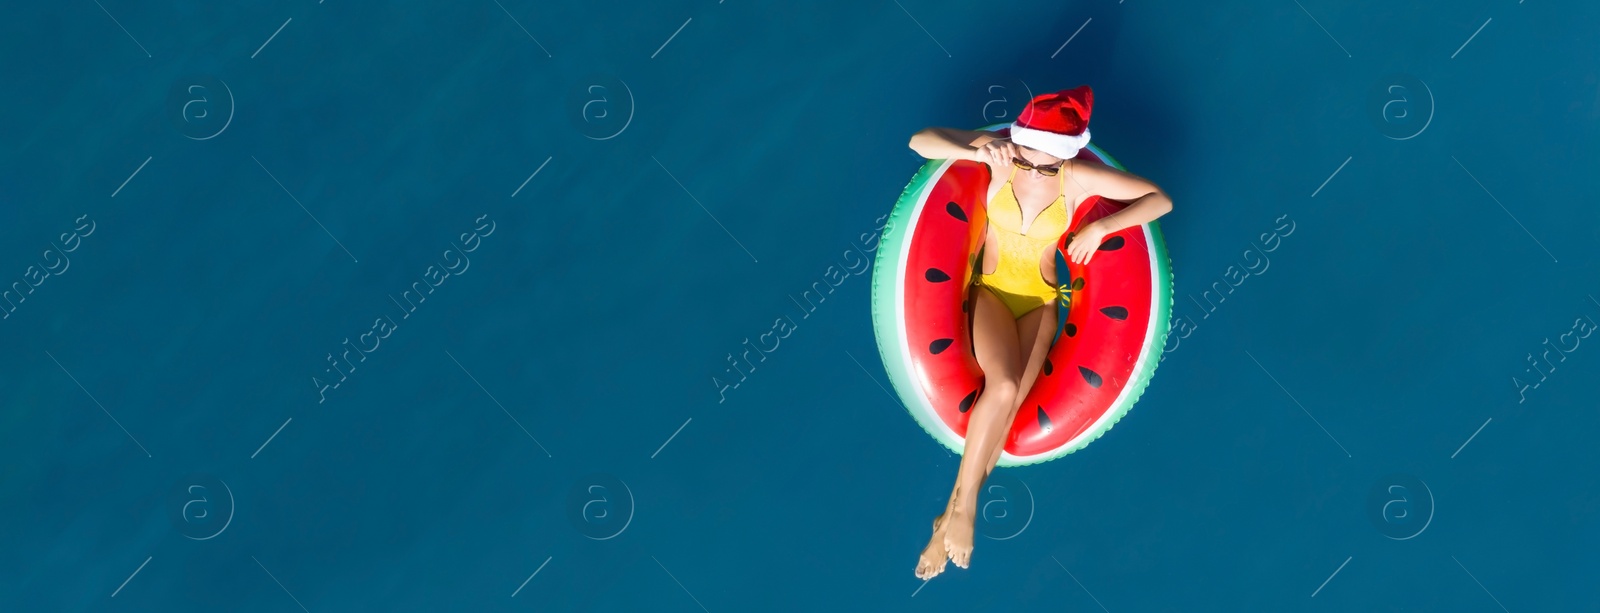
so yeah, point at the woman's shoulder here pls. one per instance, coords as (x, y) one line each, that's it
(1089, 164)
(1087, 172)
(1085, 166)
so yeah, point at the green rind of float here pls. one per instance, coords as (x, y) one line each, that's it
(887, 279)
(1150, 353)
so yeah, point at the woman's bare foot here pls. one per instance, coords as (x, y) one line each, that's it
(933, 556)
(958, 537)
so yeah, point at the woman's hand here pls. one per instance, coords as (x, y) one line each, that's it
(1085, 242)
(997, 153)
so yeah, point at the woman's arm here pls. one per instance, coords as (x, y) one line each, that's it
(950, 143)
(1147, 202)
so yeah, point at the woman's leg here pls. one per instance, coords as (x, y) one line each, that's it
(994, 340)
(1034, 331)
(933, 558)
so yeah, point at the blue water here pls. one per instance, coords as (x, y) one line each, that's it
(1347, 430)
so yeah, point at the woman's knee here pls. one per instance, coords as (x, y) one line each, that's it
(1001, 389)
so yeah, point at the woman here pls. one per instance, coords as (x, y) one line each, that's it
(1027, 213)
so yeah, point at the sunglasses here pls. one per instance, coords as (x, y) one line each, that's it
(1048, 171)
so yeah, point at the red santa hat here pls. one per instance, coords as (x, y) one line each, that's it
(1056, 123)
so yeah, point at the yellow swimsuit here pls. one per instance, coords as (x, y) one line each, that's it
(1016, 279)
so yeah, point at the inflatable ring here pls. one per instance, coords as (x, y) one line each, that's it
(1112, 319)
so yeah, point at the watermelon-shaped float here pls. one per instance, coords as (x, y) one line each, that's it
(1112, 319)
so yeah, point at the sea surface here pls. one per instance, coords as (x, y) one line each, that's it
(343, 306)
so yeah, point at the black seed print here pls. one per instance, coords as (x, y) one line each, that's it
(1092, 377)
(955, 211)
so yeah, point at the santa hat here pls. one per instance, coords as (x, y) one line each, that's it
(1057, 124)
